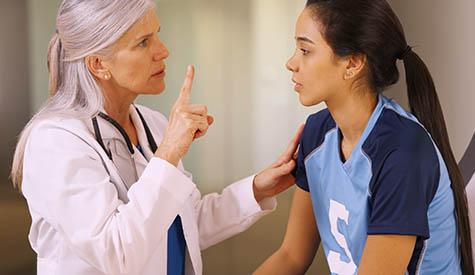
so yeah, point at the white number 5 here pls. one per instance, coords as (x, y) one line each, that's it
(336, 264)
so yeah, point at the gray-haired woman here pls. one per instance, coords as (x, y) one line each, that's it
(102, 177)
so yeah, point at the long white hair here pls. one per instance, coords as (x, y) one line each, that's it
(83, 28)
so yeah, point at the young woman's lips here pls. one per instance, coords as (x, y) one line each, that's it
(298, 87)
(159, 74)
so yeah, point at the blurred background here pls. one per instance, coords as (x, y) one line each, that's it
(239, 49)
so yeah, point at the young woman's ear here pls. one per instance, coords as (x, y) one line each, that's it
(355, 65)
(96, 67)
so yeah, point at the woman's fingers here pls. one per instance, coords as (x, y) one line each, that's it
(184, 96)
(195, 122)
(284, 169)
(274, 174)
(201, 133)
(272, 181)
(292, 149)
(201, 126)
(197, 109)
(210, 120)
(294, 143)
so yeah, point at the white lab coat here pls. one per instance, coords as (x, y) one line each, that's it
(93, 216)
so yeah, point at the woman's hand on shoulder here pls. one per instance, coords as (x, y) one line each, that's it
(277, 178)
(187, 122)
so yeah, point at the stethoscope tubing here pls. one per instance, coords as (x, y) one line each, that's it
(97, 133)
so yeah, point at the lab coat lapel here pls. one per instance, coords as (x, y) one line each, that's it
(141, 160)
(122, 159)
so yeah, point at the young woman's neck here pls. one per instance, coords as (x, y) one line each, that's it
(352, 111)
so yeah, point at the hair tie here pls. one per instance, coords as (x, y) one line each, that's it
(403, 55)
(59, 40)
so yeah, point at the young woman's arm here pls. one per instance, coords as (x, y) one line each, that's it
(386, 254)
(301, 240)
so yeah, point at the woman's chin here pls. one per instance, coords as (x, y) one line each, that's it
(304, 101)
(155, 90)
(308, 102)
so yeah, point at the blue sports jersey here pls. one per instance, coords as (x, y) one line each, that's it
(395, 182)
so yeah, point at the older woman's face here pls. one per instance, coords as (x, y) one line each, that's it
(138, 61)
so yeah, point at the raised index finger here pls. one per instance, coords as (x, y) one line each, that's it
(184, 97)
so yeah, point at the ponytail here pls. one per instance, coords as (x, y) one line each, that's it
(54, 63)
(424, 104)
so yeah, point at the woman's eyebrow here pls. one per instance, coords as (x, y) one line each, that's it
(147, 35)
(304, 39)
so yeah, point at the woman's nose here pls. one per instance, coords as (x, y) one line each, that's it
(161, 52)
(290, 64)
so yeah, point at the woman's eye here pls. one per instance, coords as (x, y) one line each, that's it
(143, 43)
(304, 52)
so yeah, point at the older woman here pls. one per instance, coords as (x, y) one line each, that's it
(103, 179)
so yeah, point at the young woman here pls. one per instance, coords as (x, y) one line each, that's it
(103, 179)
(386, 193)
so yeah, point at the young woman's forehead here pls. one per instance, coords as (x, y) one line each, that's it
(307, 27)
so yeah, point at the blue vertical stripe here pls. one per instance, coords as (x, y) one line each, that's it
(176, 249)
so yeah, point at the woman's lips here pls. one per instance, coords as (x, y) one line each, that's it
(159, 74)
(298, 86)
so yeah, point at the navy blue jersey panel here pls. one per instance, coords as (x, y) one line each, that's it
(313, 136)
(406, 174)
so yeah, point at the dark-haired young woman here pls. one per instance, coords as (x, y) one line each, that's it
(378, 186)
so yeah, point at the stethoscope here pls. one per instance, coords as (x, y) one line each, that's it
(130, 146)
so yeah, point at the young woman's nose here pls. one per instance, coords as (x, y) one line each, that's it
(291, 64)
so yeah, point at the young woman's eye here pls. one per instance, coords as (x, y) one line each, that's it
(304, 51)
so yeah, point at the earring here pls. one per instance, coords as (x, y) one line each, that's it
(107, 76)
(348, 75)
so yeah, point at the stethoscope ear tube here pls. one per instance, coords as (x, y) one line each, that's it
(150, 138)
(121, 130)
(130, 146)
(97, 132)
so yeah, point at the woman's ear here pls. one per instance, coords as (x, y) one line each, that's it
(97, 68)
(355, 64)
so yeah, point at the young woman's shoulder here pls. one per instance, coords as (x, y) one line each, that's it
(401, 150)
(400, 131)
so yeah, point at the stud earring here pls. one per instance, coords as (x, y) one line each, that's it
(107, 76)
